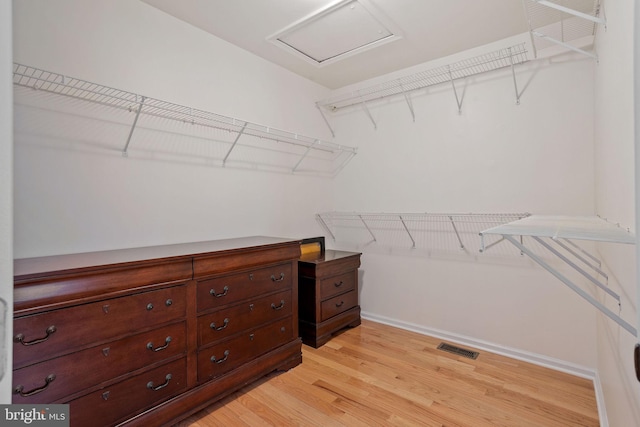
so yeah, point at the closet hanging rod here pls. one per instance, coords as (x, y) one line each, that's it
(38, 79)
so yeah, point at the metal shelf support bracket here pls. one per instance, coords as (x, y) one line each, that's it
(367, 227)
(483, 247)
(613, 316)
(513, 73)
(566, 45)
(593, 258)
(455, 92)
(133, 126)
(366, 110)
(596, 268)
(456, 230)
(408, 232)
(235, 141)
(304, 155)
(578, 269)
(409, 103)
(325, 226)
(326, 121)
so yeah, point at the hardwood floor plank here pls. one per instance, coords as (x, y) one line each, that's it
(377, 375)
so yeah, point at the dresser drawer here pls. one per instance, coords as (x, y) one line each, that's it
(216, 360)
(338, 304)
(335, 285)
(220, 291)
(47, 335)
(54, 379)
(248, 315)
(111, 404)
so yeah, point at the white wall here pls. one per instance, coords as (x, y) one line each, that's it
(495, 157)
(6, 180)
(69, 198)
(614, 136)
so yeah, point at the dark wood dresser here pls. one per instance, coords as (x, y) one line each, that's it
(149, 336)
(328, 292)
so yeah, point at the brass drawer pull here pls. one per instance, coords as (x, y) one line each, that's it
(226, 354)
(167, 341)
(337, 285)
(163, 385)
(273, 305)
(20, 337)
(19, 390)
(224, 292)
(339, 304)
(225, 322)
(273, 278)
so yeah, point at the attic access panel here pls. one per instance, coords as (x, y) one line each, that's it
(336, 32)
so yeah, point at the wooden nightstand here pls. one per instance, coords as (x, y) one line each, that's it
(328, 294)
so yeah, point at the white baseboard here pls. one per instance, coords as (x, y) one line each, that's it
(525, 356)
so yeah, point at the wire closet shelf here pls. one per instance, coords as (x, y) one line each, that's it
(303, 154)
(546, 240)
(441, 232)
(565, 23)
(555, 235)
(507, 57)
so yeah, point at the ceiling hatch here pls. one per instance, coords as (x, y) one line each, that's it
(338, 31)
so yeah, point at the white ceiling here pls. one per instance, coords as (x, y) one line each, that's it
(431, 29)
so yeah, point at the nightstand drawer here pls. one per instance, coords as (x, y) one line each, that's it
(336, 285)
(339, 304)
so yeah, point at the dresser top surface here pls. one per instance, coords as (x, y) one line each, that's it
(25, 267)
(328, 256)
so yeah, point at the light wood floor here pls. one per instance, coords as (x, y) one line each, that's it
(377, 375)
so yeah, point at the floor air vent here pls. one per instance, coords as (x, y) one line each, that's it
(459, 351)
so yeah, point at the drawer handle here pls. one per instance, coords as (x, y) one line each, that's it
(273, 305)
(167, 341)
(168, 302)
(20, 337)
(224, 292)
(19, 390)
(339, 304)
(219, 328)
(163, 385)
(149, 307)
(273, 278)
(337, 285)
(226, 354)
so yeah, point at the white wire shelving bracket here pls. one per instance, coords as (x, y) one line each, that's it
(563, 22)
(323, 157)
(448, 232)
(502, 58)
(560, 231)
